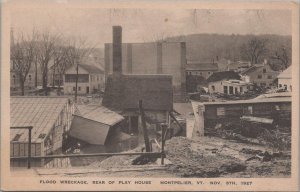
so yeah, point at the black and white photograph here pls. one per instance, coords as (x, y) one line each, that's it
(186, 97)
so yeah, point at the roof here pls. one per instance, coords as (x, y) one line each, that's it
(39, 112)
(125, 91)
(261, 100)
(99, 113)
(91, 69)
(223, 75)
(193, 66)
(237, 82)
(286, 74)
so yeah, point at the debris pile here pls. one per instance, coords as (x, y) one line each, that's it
(201, 161)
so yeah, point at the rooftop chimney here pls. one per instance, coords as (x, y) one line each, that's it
(117, 50)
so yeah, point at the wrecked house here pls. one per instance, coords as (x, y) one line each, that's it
(275, 111)
(123, 92)
(93, 123)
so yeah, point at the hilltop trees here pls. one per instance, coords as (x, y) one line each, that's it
(254, 50)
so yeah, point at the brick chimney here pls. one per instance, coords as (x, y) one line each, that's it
(117, 50)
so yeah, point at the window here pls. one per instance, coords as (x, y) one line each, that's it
(264, 70)
(213, 88)
(285, 87)
(29, 76)
(74, 88)
(79, 88)
(241, 89)
(82, 78)
(259, 76)
(220, 111)
(280, 85)
(230, 90)
(269, 76)
(225, 89)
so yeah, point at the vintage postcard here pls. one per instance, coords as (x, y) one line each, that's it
(149, 96)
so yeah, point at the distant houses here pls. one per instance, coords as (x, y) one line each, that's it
(285, 79)
(227, 82)
(203, 69)
(261, 75)
(90, 79)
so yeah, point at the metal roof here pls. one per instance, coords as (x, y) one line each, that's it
(249, 101)
(99, 113)
(39, 112)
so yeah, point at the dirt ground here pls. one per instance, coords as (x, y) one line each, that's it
(208, 157)
(216, 157)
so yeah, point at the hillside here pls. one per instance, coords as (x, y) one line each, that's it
(206, 47)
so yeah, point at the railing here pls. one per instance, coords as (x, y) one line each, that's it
(29, 143)
(30, 158)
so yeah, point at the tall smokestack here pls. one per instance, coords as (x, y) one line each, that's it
(117, 50)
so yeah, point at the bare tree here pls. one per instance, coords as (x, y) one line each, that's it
(61, 62)
(282, 55)
(22, 56)
(254, 49)
(45, 51)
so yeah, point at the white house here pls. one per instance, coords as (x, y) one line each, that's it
(90, 79)
(227, 82)
(285, 79)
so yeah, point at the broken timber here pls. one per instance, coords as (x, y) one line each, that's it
(144, 126)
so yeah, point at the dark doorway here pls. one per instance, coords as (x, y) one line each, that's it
(134, 124)
(87, 89)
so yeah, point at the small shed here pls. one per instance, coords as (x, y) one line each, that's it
(50, 118)
(92, 123)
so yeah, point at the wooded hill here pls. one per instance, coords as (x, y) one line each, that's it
(209, 47)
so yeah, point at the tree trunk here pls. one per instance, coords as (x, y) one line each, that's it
(45, 80)
(53, 76)
(22, 85)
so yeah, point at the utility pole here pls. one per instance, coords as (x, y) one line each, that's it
(76, 83)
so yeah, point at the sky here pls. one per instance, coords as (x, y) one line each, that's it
(144, 25)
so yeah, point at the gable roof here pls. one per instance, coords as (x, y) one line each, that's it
(286, 74)
(39, 112)
(192, 65)
(91, 69)
(124, 92)
(223, 75)
(99, 113)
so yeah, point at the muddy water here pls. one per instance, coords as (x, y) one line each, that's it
(121, 146)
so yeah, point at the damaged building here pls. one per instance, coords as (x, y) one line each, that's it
(124, 91)
(50, 118)
(210, 115)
